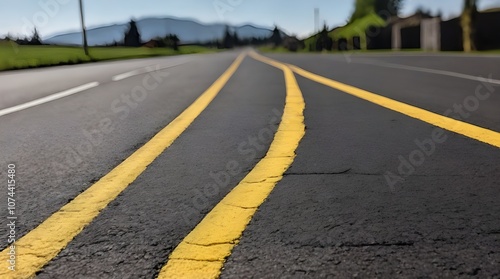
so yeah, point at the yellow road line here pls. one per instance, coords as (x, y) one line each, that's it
(42, 244)
(203, 251)
(456, 126)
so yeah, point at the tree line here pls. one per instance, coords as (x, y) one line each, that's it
(230, 39)
(132, 38)
(34, 39)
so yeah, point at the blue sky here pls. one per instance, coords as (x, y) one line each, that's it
(295, 16)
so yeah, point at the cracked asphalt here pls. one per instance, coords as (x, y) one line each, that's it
(333, 215)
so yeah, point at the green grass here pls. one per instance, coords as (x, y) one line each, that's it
(13, 56)
(492, 51)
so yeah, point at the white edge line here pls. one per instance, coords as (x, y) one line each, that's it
(49, 98)
(431, 71)
(144, 71)
(125, 75)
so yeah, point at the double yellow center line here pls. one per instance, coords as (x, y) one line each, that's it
(202, 253)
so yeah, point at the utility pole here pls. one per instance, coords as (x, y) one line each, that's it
(85, 45)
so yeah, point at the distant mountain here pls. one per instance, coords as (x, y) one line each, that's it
(188, 31)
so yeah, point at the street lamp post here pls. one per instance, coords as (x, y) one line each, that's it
(85, 45)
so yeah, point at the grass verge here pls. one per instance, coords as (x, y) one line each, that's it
(13, 56)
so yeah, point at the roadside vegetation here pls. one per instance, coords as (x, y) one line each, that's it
(377, 17)
(13, 56)
(30, 52)
(357, 28)
(367, 14)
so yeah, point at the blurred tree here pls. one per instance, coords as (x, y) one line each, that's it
(362, 8)
(276, 38)
(170, 41)
(35, 38)
(228, 40)
(470, 4)
(258, 41)
(132, 36)
(175, 41)
(236, 39)
(324, 42)
(388, 7)
(384, 8)
(9, 37)
(468, 22)
(292, 43)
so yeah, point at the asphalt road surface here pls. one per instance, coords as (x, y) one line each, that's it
(120, 166)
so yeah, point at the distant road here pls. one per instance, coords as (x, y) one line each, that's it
(154, 167)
